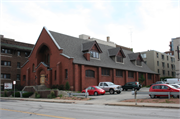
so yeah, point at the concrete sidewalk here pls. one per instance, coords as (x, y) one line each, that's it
(89, 102)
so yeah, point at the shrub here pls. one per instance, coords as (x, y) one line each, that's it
(67, 86)
(17, 94)
(51, 95)
(54, 87)
(26, 95)
(61, 87)
(2, 95)
(60, 95)
(5, 94)
(142, 79)
(37, 95)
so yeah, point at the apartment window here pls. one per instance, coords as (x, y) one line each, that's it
(94, 54)
(6, 63)
(163, 64)
(173, 74)
(157, 63)
(143, 55)
(163, 72)
(168, 73)
(157, 55)
(172, 67)
(90, 73)
(167, 58)
(18, 64)
(119, 73)
(24, 77)
(119, 59)
(172, 59)
(66, 73)
(26, 54)
(131, 74)
(139, 62)
(178, 51)
(18, 77)
(162, 56)
(18, 53)
(55, 75)
(6, 76)
(7, 51)
(105, 71)
(167, 65)
(149, 76)
(158, 70)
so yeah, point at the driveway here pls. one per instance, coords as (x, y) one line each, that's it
(118, 97)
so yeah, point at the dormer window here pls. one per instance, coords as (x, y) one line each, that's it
(94, 54)
(136, 59)
(138, 62)
(119, 59)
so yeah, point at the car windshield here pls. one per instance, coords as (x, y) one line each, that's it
(110, 83)
(176, 86)
(172, 86)
(98, 87)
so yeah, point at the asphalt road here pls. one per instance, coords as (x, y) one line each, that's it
(42, 110)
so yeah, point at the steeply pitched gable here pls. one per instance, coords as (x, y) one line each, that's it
(116, 51)
(92, 45)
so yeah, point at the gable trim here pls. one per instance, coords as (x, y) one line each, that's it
(95, 43)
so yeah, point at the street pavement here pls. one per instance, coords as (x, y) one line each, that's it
(16, 109)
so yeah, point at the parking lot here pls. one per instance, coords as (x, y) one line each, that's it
(119, 97)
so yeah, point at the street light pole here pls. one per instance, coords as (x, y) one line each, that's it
(14, 82)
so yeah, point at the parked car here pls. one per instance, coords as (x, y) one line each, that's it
(132, 85)
(94, 90)
(110, 87)
(172, 80)
(163, 88)
(158, 82)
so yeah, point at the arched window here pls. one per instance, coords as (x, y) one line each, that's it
(90, 73)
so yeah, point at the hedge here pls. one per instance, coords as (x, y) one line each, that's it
(17, 94)
(26, 95)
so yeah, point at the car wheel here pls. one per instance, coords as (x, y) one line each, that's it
(137, 89)
(123, 89)
(118, 92)
(95, 93)
(111, 91)
(152, 96)
(126, 89)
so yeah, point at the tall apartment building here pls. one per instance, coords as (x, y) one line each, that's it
(13, 55)
(176, 44)
(161, 63)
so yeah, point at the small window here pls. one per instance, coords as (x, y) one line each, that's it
(18, 64)
(158, 70)
(18, 77)
(105, 71)
(94, 54)
(172, 59)
(162, 57)
(55, 75)
(157, 55)
(90, 73)
(163, 72)
(130, 74)
(168, 73)
(8, 51)
(157, 63)
(24, 77)
(6, 63)
(18, 53)
(139, 62)
(119, 73)
(26, 54)
(119, 59)
(167, 65)
(167, 58)
(66, 73)
(149, 76)
(172, 66)
(5, 76)
(163, 64)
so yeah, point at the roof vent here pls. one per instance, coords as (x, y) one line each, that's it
(108, 39)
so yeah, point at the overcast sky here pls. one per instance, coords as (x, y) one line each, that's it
(152, 22)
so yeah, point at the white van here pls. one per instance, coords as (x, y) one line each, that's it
(172, 81)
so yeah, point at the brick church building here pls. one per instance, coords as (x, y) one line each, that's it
(57, 58)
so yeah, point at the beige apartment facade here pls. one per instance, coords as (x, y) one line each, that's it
(161, 63)
(176, 43)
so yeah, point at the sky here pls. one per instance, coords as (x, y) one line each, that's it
(139, 24)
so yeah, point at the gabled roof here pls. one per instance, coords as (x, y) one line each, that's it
(134, 56)
(42, 64)
(72, 47)
(88, 46)
(115, 51)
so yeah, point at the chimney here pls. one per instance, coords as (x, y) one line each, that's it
(108, 39)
